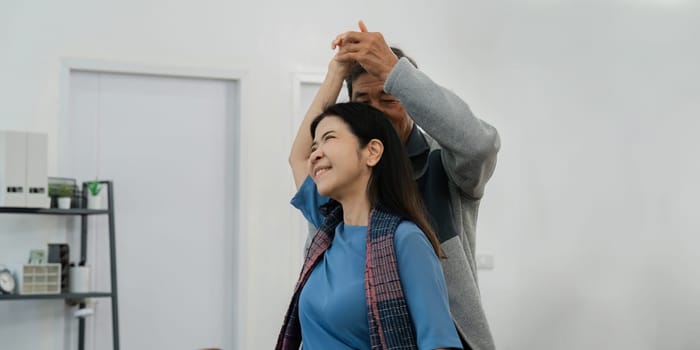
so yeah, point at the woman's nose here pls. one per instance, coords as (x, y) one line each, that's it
(315, 155)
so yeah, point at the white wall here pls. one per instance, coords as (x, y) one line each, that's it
(589, 212)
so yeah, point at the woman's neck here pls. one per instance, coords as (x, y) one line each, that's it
(356, 210)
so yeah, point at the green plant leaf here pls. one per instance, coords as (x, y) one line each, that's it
(94, 187)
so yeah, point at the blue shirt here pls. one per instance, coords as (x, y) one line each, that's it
(333, 306)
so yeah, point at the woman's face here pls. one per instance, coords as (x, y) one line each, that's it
(337, 164)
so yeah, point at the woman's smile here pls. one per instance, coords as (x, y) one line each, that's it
(320, 170)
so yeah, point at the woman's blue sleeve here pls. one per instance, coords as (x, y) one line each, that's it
(424, 287)
(308, 201)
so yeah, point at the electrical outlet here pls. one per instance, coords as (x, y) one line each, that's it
(484, 261)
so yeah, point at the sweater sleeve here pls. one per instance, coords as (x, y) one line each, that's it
(469, 144)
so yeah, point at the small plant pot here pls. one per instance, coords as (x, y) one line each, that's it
(94, 202)
(64, 202)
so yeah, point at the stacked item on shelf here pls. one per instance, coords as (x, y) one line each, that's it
(23, 169)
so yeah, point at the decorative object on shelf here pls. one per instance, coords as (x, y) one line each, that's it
(37, 256)
(78, 200)
(7, 281)
(63, 193)
(41, 279)
(59, 253)
(82, 313)
(93, 195)
(56, 182)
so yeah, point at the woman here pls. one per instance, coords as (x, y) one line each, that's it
(371, 277)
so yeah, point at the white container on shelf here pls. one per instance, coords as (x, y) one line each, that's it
(94, 202)
(64, 202)
(80, 279)
(37, 171)
(24, 169)
(13, 169)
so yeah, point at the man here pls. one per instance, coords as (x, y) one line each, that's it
(452, 159)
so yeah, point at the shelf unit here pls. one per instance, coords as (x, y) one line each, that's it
(78, 298)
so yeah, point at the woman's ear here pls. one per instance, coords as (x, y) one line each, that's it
(375, 149)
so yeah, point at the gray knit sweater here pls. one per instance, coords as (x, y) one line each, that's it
(452, 160)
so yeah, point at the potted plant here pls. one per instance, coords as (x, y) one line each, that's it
(63, 193)
(93, 195)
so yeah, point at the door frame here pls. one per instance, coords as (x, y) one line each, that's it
(237, 262)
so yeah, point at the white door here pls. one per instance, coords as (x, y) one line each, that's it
(167, 143)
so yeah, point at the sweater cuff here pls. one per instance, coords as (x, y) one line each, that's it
(401, 67)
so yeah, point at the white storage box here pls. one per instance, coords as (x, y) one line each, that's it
(13, 169)
(24, 170)
(41, 279)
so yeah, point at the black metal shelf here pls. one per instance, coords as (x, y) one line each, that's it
(54, 211)
(79, 298)
(71, 296)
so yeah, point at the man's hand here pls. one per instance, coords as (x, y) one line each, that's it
(368, 49)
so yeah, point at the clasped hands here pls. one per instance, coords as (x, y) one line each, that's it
(369, 49)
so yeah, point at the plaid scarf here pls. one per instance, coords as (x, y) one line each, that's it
(390, 325)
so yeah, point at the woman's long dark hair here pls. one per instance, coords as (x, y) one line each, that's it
(391, 185)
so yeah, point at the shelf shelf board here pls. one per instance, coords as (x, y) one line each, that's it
(53, 211)
(74, 296)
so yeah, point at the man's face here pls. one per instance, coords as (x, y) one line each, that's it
(368, 89)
